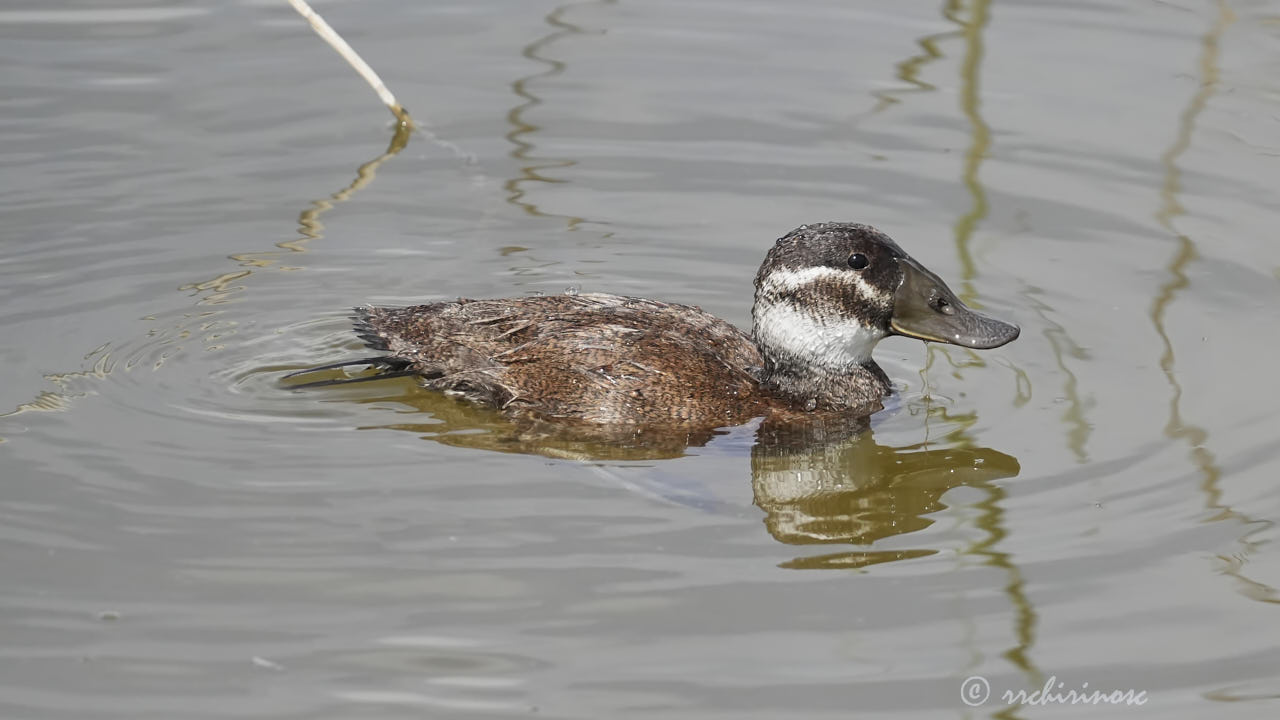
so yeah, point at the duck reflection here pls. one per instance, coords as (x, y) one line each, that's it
(855, 491)
(825, 483)
(461, 424)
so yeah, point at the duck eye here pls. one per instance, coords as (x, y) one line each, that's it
(857, 261)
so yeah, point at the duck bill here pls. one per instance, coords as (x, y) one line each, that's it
(926, 309)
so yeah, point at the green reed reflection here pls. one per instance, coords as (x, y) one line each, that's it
(980, 137)
(1063, 346)
(991, 521)
(1184, 254)
(1185, 250)
(533, 168)
(910, 70)
(973, 19)
(202, 323)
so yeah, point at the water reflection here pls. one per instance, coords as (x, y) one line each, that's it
(970, 104)
(909, 71)
(857, 491)
(973, 25)
(1185, 253)
(160, 342)
(824, 483)
(522, 129)
(454, 422)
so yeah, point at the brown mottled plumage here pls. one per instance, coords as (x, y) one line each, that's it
(825, 295)
(597, 358)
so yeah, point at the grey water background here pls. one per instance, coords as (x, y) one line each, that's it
(193, 194)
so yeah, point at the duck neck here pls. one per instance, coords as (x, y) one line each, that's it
(861, 386)
(816, 362)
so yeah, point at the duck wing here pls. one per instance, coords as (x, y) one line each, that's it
(592, 357)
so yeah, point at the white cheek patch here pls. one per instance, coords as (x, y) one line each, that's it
(837, 343)
(785, 280)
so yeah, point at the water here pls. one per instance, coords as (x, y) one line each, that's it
(194, 194)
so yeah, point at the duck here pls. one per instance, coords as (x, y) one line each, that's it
(825, 295)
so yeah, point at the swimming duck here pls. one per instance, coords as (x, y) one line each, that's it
(824, 296)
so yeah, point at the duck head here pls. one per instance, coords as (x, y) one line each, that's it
(827, 293)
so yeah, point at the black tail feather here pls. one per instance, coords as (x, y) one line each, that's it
(348, 381)
(370, 361)
(393, 366)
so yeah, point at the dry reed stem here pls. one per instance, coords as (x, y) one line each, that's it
(335, 41)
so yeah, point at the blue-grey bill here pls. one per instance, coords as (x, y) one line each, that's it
(925, 308)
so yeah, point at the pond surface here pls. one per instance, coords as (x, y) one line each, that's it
(193, 195)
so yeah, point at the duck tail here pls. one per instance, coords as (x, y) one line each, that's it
(388, 366)
(350, 380)
(374, 362)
